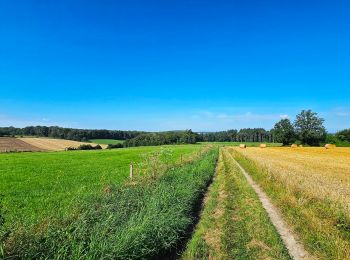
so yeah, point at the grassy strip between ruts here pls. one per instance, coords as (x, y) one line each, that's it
(322, 225)
(233, 224)
(138, 220)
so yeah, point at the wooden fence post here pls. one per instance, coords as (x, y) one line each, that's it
(131, 171)
(181, 158)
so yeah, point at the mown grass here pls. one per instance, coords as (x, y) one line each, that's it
(322, 223)
(36, 186)
(233, 224)
(146, 219)
(106, 141)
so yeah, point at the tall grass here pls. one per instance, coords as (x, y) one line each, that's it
(136, 220)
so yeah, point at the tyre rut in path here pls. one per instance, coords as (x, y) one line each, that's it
(295, 248)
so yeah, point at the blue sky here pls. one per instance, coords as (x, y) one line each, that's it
(163, 65)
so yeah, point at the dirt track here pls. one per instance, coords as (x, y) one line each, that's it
(294, 246)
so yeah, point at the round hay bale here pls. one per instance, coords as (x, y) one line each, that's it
(330, 146)
(300, 145)
(242, 146)
(262, 145)
(294, 146)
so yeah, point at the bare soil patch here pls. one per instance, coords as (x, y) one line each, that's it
(51, 144)
(10, 144)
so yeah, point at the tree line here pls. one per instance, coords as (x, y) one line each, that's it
(343, 135)
(190, 137)
(307, 128)
(243, 135)
(68, 133)
(162, 138)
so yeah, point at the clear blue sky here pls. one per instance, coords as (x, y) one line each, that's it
(162, 65)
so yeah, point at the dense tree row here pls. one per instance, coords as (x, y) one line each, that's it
(343, 135)
(142, 138)
(68, 133)
(243, 135)
(173, 137)
(306, 129)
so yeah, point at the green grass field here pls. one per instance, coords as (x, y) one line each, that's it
(147, 217)
(36, 186)
(106, 141)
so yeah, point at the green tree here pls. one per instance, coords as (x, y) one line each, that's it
(343, 135)
(309, 128)
(284, 132)
(331, 139)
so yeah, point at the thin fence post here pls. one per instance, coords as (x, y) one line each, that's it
(181, 158)
(131, 171)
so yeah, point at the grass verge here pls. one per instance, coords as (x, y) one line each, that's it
(233, 224)
(136, 220)
(322, 225)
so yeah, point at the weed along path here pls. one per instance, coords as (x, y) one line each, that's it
(295, 248)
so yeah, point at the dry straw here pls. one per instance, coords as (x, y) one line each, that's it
(294, 146)
(330, 146)
(242, 146)
(262, 145)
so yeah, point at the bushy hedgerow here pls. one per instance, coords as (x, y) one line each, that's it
(85, 147)
(114, 146)
(89, 147)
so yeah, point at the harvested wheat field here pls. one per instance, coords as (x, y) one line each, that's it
(311, 186)
(51, 144)
(9, 144)
(317, 171)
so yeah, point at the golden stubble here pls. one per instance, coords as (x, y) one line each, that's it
(315, 171)
(51, 144)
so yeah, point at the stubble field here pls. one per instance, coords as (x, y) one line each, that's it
(51, 144)
(311, 187)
